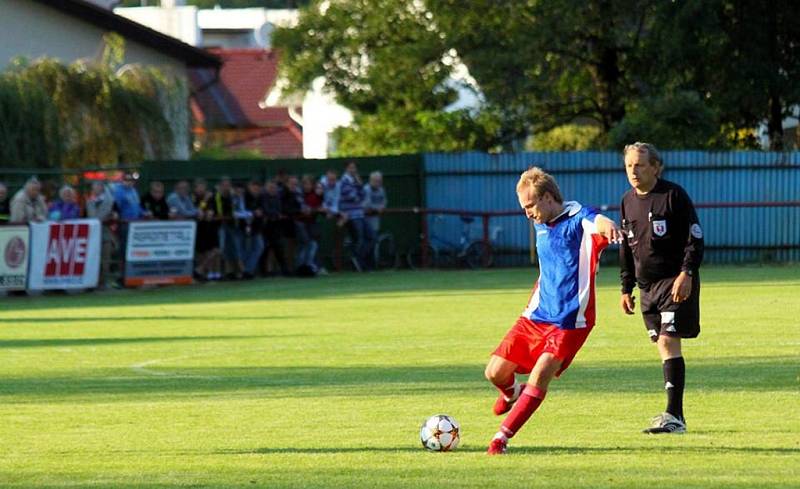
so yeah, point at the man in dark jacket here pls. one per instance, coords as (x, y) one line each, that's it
(661, 252)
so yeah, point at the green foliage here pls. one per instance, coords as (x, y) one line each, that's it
(402, 133)
(547, 64)
(569, 137)
(89, 114)
(676, 121)
(387, 62)
(743, 55)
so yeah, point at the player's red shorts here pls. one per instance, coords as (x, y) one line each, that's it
(526, 341)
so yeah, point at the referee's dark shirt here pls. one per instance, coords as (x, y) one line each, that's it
(662, 235)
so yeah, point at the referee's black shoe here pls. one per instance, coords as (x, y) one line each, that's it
(666, 423)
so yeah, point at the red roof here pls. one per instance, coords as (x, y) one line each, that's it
(233, 101)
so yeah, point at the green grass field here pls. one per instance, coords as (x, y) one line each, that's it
(324, 383)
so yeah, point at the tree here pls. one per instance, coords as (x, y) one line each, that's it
(386, 61)
(544, 64)
(743, 56)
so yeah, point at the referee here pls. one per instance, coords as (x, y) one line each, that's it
(661, 252)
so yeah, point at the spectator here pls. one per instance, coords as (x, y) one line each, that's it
(329, 182)
(154, 203)
(313, 193)
(129, 208)
(272, 231)
(66, 207)
(374, 201)
(28, 205)
(207, 255)
(127, 199)
(253, 242)
(350, 209)
(5, 209)
(294, 210)
(225, 203)
(100, 206)
(180, 202)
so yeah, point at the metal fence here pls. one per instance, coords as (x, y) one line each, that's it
(748, 202)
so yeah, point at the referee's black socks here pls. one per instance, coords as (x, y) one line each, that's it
(674, 380)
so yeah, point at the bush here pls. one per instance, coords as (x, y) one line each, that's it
(569, 137)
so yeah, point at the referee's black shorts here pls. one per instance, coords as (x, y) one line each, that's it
(662, 316)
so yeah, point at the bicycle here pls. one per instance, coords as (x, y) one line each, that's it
(443, 253)
(385, 252)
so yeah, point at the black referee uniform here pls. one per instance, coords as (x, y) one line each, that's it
(662, 237)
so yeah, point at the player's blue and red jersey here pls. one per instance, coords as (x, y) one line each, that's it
(569, 250)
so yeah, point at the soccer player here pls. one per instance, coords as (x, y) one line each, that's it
(661, 251)
(560, 313)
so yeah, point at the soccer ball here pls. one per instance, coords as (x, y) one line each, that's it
(440, 433)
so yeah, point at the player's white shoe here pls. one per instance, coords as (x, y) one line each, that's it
(666, 423)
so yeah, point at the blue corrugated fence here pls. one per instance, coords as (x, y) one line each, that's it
(484, 182)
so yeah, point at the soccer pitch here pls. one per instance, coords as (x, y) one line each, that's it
(324, 383)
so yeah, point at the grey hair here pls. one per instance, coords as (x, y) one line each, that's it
(376, 173)
(64, 189)
(652, 152)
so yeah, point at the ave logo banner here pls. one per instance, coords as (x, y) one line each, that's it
(65, 255)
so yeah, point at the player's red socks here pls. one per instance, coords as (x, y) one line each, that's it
(528, 402)
(508, 395)
(507, 390)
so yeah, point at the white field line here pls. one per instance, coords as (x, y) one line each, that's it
(142, 368)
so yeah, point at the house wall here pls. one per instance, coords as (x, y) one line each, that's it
(33, 30)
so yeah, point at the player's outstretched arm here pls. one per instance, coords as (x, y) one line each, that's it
(608, 228)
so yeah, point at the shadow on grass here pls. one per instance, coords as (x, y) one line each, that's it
(732, 375)
(514, 450)
(78, 342)
(376, 285)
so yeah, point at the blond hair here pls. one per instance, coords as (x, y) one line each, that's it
(652, 153)
(540, 183)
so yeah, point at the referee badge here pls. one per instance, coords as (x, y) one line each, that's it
(660, 227)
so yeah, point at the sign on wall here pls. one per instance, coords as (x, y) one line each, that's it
(160, 252)
(64, 255)
(14, 245)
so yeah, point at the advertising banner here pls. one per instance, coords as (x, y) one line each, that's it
(65, 254)
(160, 252)
(14, 245)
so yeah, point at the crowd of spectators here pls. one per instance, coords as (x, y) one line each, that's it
(258, 228)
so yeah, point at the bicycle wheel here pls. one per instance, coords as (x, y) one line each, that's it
(385, 252)
(474, 255)
(414, 257)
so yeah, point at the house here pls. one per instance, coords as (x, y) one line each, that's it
(228, 111)
(315, 114)
(69, 30)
